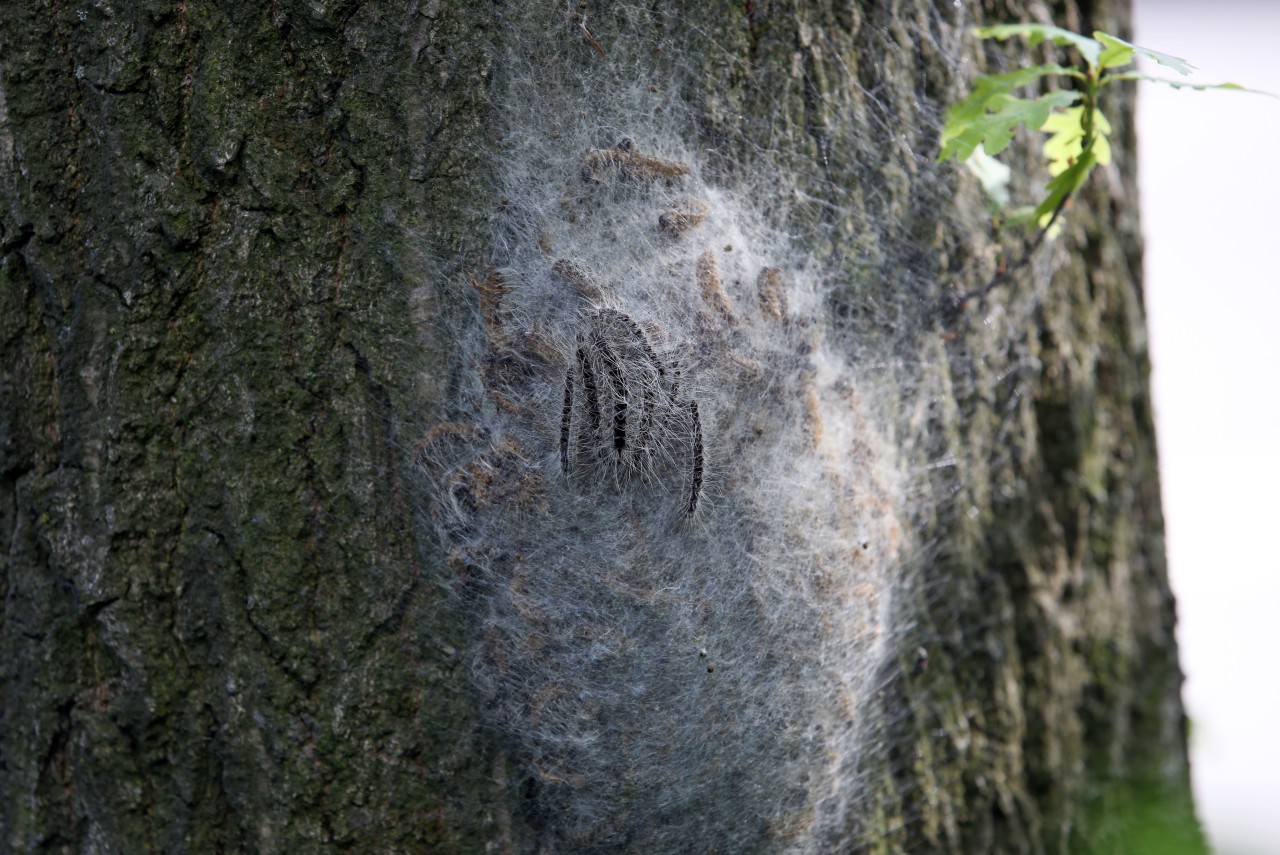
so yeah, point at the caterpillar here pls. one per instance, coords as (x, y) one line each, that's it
(695, 478)
(566, 418)
(613, 371)
(589, 387)
(632, 405)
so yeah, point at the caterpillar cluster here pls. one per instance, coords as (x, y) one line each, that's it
(625, 408)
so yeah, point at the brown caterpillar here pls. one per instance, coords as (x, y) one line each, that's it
(708, 277)
(491, 290)
(577, 277)
(773, 297)
(624, 161)
(677, 221)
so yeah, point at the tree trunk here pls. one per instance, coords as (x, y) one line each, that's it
(466, 428)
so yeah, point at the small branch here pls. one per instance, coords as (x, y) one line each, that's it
(1008, 273)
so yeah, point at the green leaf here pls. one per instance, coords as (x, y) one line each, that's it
(1066, 140)
(1182, 84)
(1063, 185)
(984, 88)
(993, 122)
(1115, 52)
(964, 114)
(1111, 43)
(1037, 33)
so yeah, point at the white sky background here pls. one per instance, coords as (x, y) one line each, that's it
(1210, 177)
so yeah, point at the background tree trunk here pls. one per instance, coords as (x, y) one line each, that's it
(238, 324)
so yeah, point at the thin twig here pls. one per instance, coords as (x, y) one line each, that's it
(1008, 273)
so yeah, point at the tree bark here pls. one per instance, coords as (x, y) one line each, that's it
(265, 358)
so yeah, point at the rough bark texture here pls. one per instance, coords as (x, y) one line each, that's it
(222, 626)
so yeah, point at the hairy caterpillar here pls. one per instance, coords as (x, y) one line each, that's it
(566, 418)
(613, 371)
(626, 162)
(695, 475)
(589, 386)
